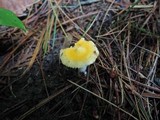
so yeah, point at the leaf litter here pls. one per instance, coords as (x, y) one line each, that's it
(123, 83)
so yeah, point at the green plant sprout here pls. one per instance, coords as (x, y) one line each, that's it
(8, 18)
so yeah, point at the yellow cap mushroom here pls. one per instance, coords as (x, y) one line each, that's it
(82, 54)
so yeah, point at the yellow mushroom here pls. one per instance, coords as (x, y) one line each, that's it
(82, 54)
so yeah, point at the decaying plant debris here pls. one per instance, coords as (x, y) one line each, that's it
(123, 83)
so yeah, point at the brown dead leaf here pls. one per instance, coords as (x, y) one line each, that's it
(17, 6)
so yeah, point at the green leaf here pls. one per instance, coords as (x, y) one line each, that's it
(8, 18)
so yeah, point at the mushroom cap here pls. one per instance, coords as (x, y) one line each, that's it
(82, 54)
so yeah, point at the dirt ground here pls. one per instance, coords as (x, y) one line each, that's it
(118, 86)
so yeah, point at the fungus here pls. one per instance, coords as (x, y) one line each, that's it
(82, 54)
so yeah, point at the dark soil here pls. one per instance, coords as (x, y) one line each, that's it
(44, 93)
(49, 96)
(46, 90)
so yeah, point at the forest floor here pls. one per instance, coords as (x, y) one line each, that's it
(123, 83)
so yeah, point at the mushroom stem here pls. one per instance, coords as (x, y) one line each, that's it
(83, 70)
